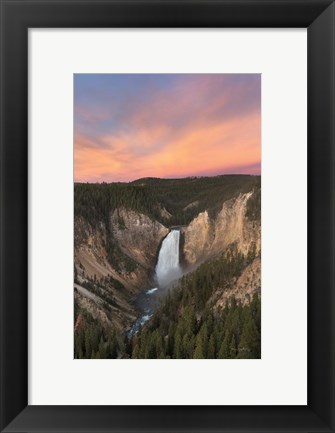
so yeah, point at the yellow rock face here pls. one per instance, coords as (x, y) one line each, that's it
(205, 238)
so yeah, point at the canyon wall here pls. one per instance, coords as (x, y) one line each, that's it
(115, 262)
(138, 236)
(112, 264)
(205, 237)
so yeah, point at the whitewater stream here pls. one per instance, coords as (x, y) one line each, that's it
(167, 271)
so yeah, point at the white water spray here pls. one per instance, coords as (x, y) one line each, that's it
(167, 268)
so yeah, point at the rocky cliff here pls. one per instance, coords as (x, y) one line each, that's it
(206, 237)
(242, 288)
(138, 236)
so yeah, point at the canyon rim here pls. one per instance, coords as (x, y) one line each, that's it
(167, 216)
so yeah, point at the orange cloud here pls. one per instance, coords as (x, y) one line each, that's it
(199, 149)
(190, 129)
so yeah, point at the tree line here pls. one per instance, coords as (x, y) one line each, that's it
(233, 332)
(150, 196)
(91, 340)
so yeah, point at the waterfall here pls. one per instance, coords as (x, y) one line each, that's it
(167, 268)
(167, 271)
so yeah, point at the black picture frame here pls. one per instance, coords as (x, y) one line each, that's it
(17, 16)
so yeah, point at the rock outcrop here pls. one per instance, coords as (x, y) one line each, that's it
(138, 236)
(205, 237)
(243, 288)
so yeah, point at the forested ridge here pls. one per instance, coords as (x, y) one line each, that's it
(150, 196)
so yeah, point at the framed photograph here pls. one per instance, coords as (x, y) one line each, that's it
(167, 216)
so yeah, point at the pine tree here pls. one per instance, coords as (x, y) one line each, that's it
(79, 344)
(199, 351)
(204, 337)
(170, 342)
(88, 346)
(161, 355)
(250, 343)
(211, 348)
(150, 350)
(190, 321)
(102, 349)
(177, 350)
(159, 346)
(224, 351)
(232, 348)
(112, 346)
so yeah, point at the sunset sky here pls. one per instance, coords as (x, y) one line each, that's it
(128, 126)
